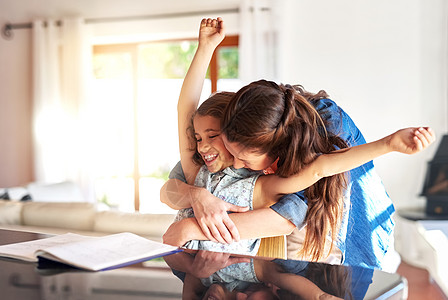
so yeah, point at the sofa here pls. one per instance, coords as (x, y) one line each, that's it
(58, 208)
(79, 217)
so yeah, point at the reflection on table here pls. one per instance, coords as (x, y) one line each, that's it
(223, 276)
(195, 275)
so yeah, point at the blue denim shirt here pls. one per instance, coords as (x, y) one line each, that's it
(366, 229)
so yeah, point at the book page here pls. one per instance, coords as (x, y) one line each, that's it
(26, 250)
(109, 251)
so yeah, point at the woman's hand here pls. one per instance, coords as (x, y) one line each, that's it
(207, 263)
(211, 215)
(210, 212)
(411, 140)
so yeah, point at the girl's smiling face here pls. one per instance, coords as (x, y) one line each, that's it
(207, 132)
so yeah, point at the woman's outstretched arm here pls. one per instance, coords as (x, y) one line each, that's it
(407, 141)
(266, 222)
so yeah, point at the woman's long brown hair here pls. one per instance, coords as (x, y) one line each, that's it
(281, 121)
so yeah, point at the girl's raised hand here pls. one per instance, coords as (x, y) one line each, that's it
(411, 140)
(211, 32)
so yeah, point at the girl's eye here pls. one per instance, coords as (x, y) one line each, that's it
(213, 136)
(198, 140)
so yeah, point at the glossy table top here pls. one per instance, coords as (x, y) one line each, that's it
(195, 275)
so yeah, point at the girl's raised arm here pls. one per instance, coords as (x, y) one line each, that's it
(211, 33)
(408, 141)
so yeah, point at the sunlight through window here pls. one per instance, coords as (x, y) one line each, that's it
(136, 90)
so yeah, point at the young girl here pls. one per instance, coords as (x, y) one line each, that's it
(243, 186)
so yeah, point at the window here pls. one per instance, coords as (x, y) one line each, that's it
(136, 89)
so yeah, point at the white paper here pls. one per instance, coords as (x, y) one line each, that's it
(91, 253)
(26, 250)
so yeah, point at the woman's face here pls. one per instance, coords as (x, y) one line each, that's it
(247, 158)
(207, 131)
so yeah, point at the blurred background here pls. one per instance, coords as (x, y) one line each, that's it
(88, 88)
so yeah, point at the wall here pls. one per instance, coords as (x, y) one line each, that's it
(15, 110)
(383, 61)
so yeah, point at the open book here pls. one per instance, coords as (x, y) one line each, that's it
(87, 252)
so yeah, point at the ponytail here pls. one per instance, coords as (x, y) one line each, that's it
(281, 120)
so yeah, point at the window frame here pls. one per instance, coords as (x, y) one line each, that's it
(132, 49)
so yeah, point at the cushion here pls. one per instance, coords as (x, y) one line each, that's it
(13, 193)
(142, 224)
(10, 212)
(70, 215)
(56, 192)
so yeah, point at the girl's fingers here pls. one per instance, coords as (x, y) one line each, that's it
(418, 143)
(430, 136)
(419, 138)
(211, 22)
(421, 135)
(425, 135)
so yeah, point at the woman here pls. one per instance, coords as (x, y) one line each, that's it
(283, 130)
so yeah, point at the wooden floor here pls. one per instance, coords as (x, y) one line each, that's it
(419, 285)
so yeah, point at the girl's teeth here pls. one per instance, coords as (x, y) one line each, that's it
(209, 157)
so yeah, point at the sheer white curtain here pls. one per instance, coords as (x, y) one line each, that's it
(263, 38)
(60, 75)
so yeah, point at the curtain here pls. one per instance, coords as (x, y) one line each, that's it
(61, 59)
(264, 28)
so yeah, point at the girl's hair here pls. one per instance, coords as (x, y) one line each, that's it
(281, 121)
(214, 106)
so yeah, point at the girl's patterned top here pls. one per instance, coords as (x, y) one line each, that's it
(232, 185)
